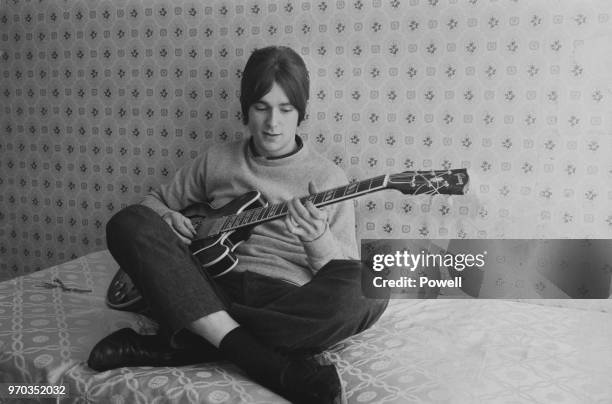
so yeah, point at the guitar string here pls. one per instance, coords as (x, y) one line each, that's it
(471, 223)
(281, 207)
(433, 190)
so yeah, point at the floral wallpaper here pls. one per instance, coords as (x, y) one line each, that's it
(100, 100)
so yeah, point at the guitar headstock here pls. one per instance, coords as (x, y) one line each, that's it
(432, 182)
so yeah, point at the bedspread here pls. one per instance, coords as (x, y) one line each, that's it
(420, 351)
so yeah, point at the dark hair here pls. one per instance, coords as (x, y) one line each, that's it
(278, 64)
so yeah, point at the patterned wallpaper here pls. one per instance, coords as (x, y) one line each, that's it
(101, 100)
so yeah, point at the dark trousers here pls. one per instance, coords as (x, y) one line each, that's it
(310, 318)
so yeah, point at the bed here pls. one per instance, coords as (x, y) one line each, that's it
(426, 351)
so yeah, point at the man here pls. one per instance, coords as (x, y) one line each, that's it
(296, 289)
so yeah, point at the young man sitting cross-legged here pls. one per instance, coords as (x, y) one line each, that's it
(297, 287)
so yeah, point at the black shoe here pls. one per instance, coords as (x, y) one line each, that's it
(304, 382)
(125, 347)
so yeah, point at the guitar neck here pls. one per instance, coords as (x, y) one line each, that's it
(271, 212)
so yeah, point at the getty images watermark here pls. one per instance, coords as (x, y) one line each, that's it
(487, 268)
(422, 261)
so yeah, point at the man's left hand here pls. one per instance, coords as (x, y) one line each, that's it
(305, 220)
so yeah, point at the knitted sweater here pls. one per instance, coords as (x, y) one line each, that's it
(226, 171)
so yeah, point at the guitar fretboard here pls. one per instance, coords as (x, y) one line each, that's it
(271, 212)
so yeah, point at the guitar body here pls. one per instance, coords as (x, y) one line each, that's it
(215, 253)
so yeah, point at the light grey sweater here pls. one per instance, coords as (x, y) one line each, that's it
(226, 171)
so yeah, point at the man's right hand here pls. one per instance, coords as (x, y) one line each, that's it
(181, 226)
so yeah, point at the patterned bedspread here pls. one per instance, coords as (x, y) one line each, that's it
(426, 351)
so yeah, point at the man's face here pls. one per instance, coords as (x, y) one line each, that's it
(273, 123)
